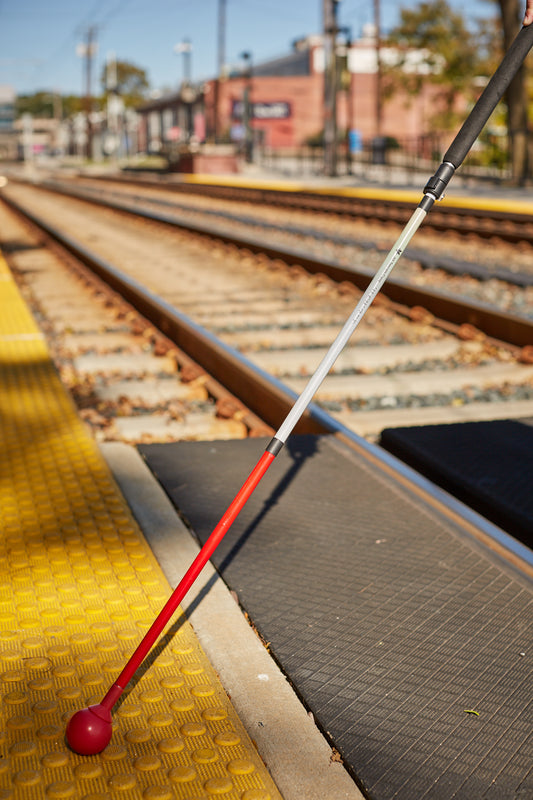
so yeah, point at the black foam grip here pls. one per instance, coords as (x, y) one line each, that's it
(492, 94)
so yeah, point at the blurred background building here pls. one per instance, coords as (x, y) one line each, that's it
(275, 107)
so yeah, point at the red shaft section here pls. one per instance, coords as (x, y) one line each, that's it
(188, 579)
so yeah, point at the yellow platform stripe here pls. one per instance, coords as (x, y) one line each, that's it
(79, 586)
(365, 193)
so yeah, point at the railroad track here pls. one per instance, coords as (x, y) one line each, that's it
(129, 381)
(458, 218)
(405, 364)
(335, 233)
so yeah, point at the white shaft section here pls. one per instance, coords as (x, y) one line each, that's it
(350, 325)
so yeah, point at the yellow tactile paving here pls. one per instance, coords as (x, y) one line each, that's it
(79, 586)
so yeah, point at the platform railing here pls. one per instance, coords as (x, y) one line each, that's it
(402, 161)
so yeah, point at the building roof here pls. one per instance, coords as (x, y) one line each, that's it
(175, 98)
(296, 63)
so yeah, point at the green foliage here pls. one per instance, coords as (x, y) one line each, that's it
(72, 104)
(40, 104)
(447, 52)
(46, 105)
(131, 83)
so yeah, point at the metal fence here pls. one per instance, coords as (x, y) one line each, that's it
(401, 162)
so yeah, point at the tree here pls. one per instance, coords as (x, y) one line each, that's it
(446, 50)
(131, 83)
(40, 104)
(46, 105)
(516, 97)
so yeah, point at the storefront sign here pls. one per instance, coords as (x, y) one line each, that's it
(274, 110)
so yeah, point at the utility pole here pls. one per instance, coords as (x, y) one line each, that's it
(221, 62)
(247, 112)
(377, 25)
(185, 48)
(87, 51)
(330, 87)
(187, 92)
(347, 85)
(91, 35)
(115, 108)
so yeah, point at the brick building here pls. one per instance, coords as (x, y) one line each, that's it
(285, 102)
(287, 97)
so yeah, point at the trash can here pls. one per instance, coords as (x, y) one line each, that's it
(379, 150)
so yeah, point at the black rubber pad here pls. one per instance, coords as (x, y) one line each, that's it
(487, 465)
(408, 643)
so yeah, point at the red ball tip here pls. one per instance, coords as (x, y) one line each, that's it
(89, 730)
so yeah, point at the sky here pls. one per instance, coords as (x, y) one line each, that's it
(39, 38)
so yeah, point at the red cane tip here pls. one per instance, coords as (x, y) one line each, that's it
(89, 730)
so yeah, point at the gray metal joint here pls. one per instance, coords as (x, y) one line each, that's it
(426, 204)
(439, 181)
(274, 446)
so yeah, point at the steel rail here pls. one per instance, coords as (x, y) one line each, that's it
(517, 331)
(384, 209)
(426, 259)
(266, 397)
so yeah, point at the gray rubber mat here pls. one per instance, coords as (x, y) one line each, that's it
(487, 465)
(409, 645)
